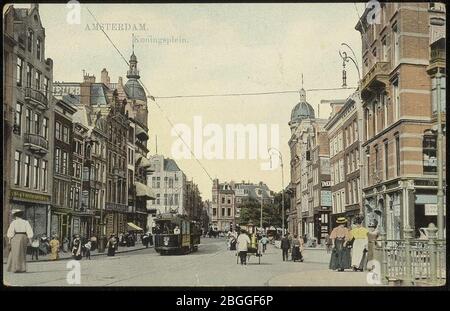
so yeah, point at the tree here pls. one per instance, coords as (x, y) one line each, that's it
(251, 213)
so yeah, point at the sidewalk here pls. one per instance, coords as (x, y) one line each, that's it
(68, 255)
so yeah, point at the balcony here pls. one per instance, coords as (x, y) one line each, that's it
(377, 77)
(36, 97)
(36, 143)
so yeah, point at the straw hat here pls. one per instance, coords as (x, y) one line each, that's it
(341, 220)
(16, 210)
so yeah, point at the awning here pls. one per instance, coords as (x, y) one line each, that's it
(144, 191)
(133, 227)
(142, 161)
(140, 133)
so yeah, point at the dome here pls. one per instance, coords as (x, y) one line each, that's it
(303, 110)
(134, 90)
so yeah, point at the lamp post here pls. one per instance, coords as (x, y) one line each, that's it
(440, 164)
(260, 190)
(345, 59)
(282, 182)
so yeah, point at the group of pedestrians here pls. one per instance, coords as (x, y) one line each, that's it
(352, 248)
(295, 245)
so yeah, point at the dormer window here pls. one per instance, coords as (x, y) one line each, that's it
(38, 48)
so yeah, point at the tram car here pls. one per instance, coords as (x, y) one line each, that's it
(175, 234)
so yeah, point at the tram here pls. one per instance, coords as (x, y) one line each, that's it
(175, 234)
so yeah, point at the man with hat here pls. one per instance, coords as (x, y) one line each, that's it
(19, 232)
(340, 236)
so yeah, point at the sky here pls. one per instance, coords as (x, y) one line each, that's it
(219, 48)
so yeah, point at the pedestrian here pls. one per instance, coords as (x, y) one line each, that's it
(359, 249)
(297, 243)
(242, 246)
(328, 243)
(111, 245)
(264, 242)
(285, 246)
(372, 237)
(54, 248)
(76, 247)
(65, 244)
(340, 256)
(35, 248)
(88, 247)
(93, 243)
(19, 233)
(145, 240)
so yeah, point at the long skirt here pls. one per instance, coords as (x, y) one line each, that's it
(340, 256)
(111, 251)
(358, 252)
(18, 255)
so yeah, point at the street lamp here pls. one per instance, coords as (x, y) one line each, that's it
(282, 182)
(260, 190)
(440, 192)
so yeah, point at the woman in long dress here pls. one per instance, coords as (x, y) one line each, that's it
(76, 248)
(111, 245)
(340, 256)
(54, 246)
(19, 233)
(359, 234)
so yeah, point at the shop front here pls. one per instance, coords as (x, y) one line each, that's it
(36, 207)
(61, 223)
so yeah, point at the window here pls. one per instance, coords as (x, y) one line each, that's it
(366, 117)
(176, 199)
(28, 114)
(165, 181)
(396, 55)
(223, 211)
(214, 211)
(228, 201)
(384, 53)
(57, 159)
(158, 196)
(375, 114)
(383, 103)
(397, 154)
(66, 134)
(27, 171)
(429, 154)
(45, 127)
(17, 159)
(38, 48)
(170, 182)
(158, 179)
(19, 72)
(386, 159)
(223, 200)
(229, 211)
(44, 173)
(165, 199)
(30, 40)
(37, 76)
(18, 118)
(376, 160)
(396, 100)
(58, 130)
(36, 173)
(29, 70)
(37, 124)
(46, 85)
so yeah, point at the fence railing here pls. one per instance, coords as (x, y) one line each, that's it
(413, 261)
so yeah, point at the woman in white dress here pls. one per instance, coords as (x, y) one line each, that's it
(19, 233)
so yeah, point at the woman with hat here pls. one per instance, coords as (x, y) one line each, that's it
(76, 247)
(111, 245)
(340, 236)
(54, 246)
(19, 232)
(359, 234)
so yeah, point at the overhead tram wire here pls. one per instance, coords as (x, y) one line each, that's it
(167, 118)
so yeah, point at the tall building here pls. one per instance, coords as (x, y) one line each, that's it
(309, 187)
(168, 183)
(193, 201)
(61, 211)
(29, 119)
(345, 152)
(399, 142)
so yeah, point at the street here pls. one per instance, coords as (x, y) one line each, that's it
(213, 265)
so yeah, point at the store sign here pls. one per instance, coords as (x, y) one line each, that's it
(28, 196)
(326, 183)
(431, 210)
(325, 198)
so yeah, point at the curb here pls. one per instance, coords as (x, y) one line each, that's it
(92, 255)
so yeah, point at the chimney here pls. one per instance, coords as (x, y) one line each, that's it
(105, 77)
(88, 78)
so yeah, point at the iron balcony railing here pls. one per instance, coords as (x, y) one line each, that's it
(36, 142)
(412, 261)
(37, 97)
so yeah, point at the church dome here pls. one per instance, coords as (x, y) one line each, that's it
(134, 90)
(303, 110)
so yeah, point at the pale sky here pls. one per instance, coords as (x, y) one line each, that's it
(227, 48)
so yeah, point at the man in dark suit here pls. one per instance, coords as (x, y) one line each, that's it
(285, 246)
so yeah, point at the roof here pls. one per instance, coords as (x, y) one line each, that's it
(134, 90)
(171, 165)
(303, 110)
(98, 94)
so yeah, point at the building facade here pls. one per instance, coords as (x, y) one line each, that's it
(401, 181)
(223, 206)
(28, 108)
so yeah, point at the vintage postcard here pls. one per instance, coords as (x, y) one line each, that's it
(214, 145)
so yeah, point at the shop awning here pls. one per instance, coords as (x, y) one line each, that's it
(133, 227)
(142, 161)
(144, 191)
(140, 133)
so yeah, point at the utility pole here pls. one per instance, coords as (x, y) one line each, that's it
(280, 155)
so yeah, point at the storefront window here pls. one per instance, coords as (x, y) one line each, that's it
(429, 154)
